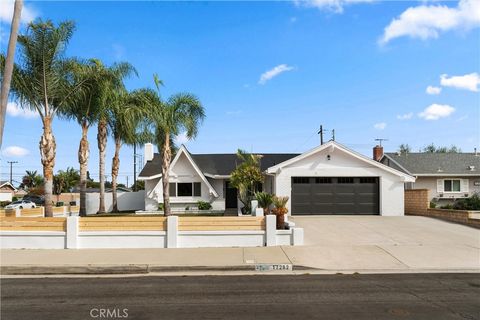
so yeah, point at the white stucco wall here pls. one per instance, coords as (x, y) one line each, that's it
(127, 201)
(183, 171)
(341, 164)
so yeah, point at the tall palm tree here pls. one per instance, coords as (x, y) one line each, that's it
(39, 82)
(117, 74)
(84, 108)
(9, 62)
(181, 112)
(124, 121)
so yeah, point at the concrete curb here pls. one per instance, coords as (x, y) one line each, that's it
(113, 269)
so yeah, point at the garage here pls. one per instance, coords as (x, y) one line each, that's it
(335, 195)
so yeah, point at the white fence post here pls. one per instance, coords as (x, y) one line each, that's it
(43, 211)
(72, 232)
(18, 212)
(172, 231)
(271, 230)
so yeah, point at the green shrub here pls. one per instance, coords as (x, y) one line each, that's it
(265, 200)
(160, 207)
(433, 205)
(203, 205)
(14, 199)
(4, 203)
(447, 206)
(59, 204)
(187, 208)
(472, 203)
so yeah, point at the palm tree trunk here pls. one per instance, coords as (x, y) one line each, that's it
(102, 145)
(47, 152)
(83, 154)
(9, 61)
(167, 156)
(115, 168)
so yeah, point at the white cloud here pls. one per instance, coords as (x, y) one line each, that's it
(468, 82)
(436, 111)
(380, 125)
(427, 21)
(6, 12)
(15, 151)
(272, 73)
(433, 90)
(15, 111)
(335, 6)
(181, 138)
(405, 116)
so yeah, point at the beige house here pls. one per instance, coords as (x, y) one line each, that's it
(447, 176)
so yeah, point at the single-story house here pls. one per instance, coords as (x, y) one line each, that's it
(447, 176)
(7, 191)
(329, 179)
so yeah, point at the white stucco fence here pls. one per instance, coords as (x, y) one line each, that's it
(127, 201)
(72, 238)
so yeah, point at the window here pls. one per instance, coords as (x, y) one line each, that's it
(368, 180)
(345, 180)
(186, 189)
(323, 180)
(301, 180)
(451, 185)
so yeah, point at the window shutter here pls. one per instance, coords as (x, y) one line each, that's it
(197, 189)
(439, 185)
(172, 189)
(464, 185)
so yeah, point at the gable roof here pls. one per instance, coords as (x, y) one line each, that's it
(333, 145)
(7, 183)
(212, 165)
(436, 164)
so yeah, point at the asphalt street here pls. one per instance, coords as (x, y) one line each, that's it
(386, 296)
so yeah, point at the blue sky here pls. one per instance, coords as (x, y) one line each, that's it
(360, 68)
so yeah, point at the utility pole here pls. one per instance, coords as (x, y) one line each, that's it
(134, 167)
(127, 181)
(11, 164)
(333, 135)
(321, 134)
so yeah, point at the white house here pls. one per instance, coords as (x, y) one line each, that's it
(7, 190)
(329, 179)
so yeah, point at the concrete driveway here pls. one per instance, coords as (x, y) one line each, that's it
(385, 243)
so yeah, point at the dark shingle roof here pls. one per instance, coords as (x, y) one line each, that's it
(216, 164)
(437, 163)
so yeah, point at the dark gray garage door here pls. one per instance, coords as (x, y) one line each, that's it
(338, 195)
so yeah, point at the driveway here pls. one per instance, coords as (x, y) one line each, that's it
(385, 243)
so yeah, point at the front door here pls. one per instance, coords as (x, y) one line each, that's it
(230, 196)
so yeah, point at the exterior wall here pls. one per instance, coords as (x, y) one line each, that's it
(430, 183)
(183, 171)
(127, 201)
(416, 201)
(342, 164)
(5, 195)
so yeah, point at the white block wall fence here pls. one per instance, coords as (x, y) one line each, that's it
(176, 233)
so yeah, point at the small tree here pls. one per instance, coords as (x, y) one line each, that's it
(404, 148)
(246, 178)
(265, 200)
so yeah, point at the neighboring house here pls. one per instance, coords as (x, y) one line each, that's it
(448, 176)
(7, 191)
(329, 179)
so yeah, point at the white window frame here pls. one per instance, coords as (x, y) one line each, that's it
(193, 190)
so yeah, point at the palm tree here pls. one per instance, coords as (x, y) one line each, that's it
(31, 179)
(39, 82)
(181, 112)
(9, 62)
(124, 121)
(84, 108)
(117, 74)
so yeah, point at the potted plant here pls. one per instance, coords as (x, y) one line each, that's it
(280, 210)
(265, 200)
